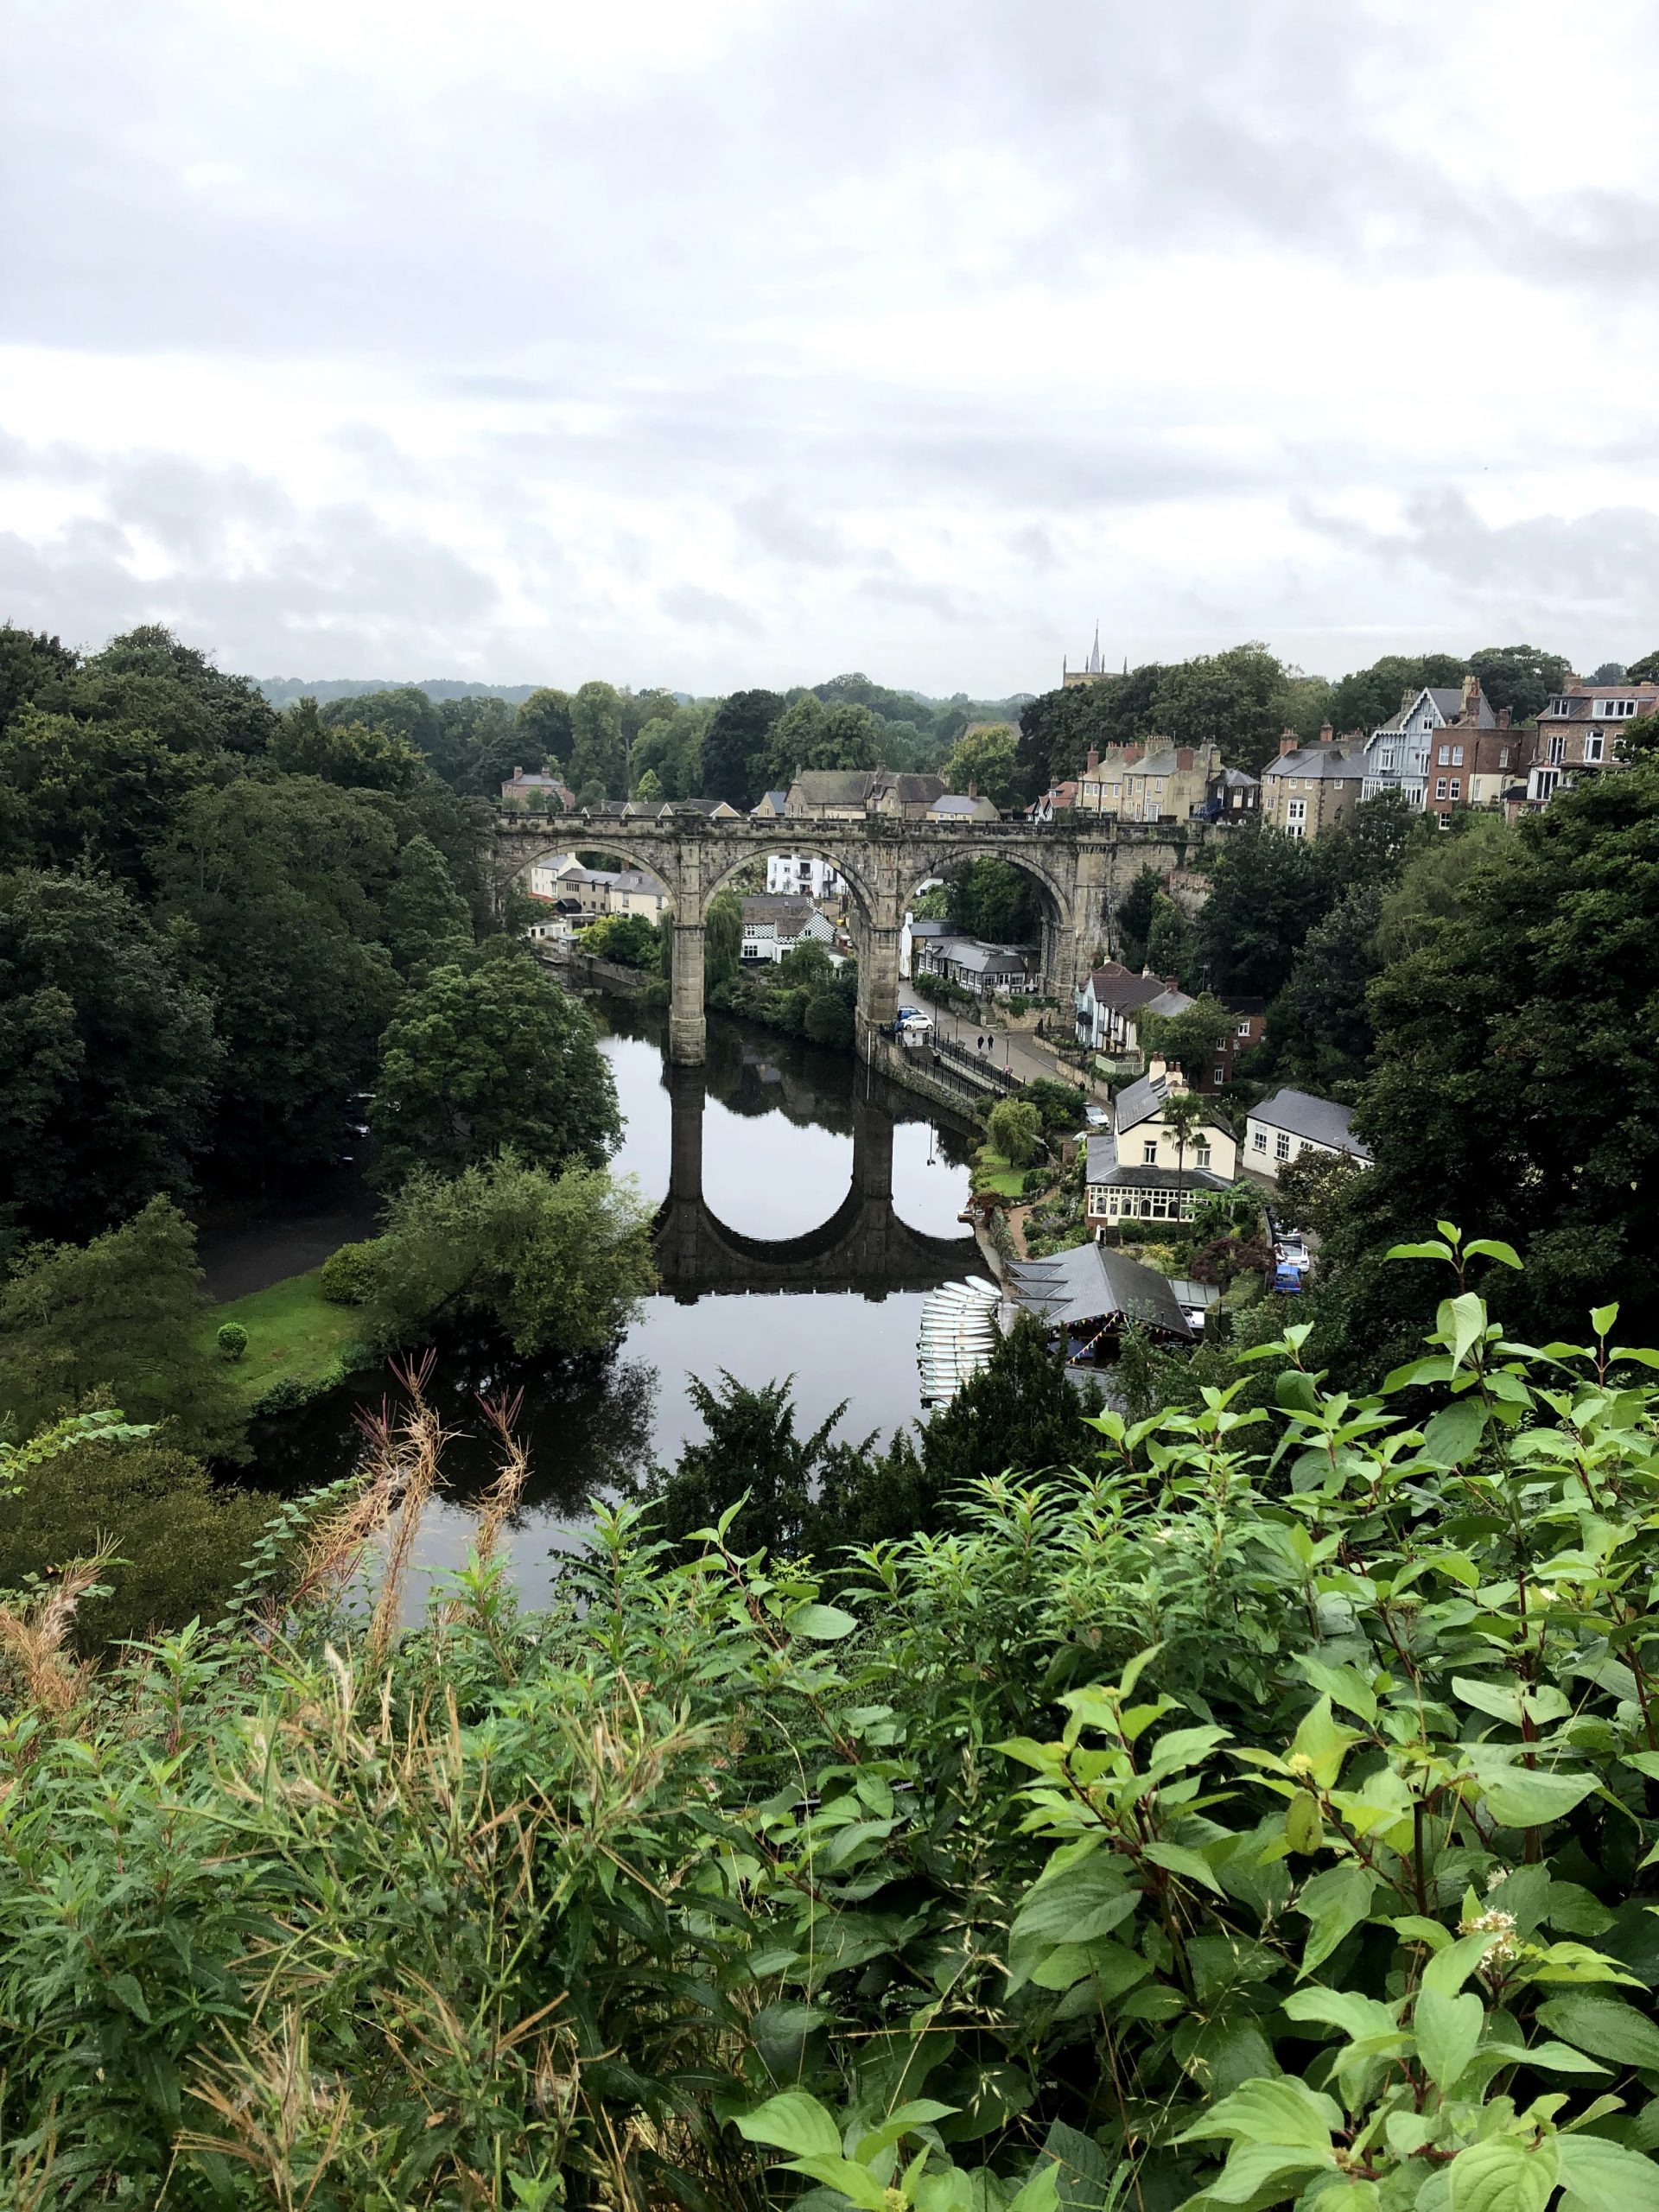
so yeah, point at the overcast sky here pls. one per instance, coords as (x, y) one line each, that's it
(710, 342)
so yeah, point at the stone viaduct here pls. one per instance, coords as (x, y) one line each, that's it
(1081, 868)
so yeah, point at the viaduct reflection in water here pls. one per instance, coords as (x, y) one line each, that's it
(864, 1246)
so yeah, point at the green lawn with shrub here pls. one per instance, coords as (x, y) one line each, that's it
(294, 1336)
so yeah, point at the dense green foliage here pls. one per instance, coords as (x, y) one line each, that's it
(553, 1259)
(117, 1319)
(1256, 1816)
(629, 939)
(486, 1055)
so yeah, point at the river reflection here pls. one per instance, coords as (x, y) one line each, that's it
(807, 1207)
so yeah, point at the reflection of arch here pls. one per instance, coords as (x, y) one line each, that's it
(863, 1245)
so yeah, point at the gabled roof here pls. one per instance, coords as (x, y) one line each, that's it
(833, 787)
(1234, 779)
(706, 806)
(955, 805)
(1320, 1120)
(983, 959)
(1318, 760)
(1124, 992)
(1092, 1284)
(1169, 1002)
(771, 803)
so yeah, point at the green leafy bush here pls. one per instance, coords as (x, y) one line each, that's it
(349, 1276)
(231, 1339)
(1264, 1816)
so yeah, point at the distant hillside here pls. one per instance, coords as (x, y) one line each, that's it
(282, 691)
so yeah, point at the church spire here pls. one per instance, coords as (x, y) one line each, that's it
(1097, 664)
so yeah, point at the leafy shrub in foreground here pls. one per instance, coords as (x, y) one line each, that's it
(1261, 1817)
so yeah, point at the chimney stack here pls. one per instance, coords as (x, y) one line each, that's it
(1325, 733)
(1504, 718)
(1155, 1068)
(1093, 761)
(1288, 743)
(973, 788)
(1132, 753)
(1469, 709)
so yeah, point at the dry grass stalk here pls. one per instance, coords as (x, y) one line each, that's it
(280, 2116)
(420, 1438)
(501, 1500)
(35, 1636)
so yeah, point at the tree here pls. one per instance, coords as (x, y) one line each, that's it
(35, 671)
(1168, 952)
(809, 735)
(1182, 1111)
(1431, 886)
(1368, 697)
(424, 916)
(404, 711)
(1520, 677)
(1134, 915)
(544, 725)
(1235, 699)
(1514, 1081)
(629, 939)
(108, 1059)
(985, 758)
(122, 1315)
(1020, 1413)
(1015, 1129)
(1188, 1038)
(830, 1019)
(1320, 1031)
(1644, 670)
(1058, 728)
(751, 1452)
(277, 884)
(649, 787)
(1610, 671)
(994, 899)
(181, 1542)
(486, 1055)
(723, 938)
(349, 753)
(598, 749)
(558, 1261)
(736, 742)
(669, 749)
(147, 678)
(76, 794)
(1266, 892)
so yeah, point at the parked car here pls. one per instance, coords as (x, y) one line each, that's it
(1098, 1117)
(911, 1017)
(1288, 1281)
(1290, 1250)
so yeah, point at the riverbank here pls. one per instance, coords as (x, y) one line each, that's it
(298, 1343)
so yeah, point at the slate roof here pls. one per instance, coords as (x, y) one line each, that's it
(1236, 779)
(1316, 761)
(771, 802)
(1104, 1166)
(1320, 1120)
(1092, 1284)
(984, 959)
(1124, 991)
(957, 807)
(788, 917)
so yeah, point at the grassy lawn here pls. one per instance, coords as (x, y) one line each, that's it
(293, 1332)
(993, 1173)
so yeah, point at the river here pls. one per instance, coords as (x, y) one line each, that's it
(808, 1207)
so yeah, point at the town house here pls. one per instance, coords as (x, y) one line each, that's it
(1143, 1168)
(773, 926)
(1579, 727)
(1283, 1128)
(1310, 788)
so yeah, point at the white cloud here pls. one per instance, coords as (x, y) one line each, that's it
(734, 342)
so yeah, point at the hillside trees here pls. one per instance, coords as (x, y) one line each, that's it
(545, 726)
(1266, 892)
(987, 759)
(1236, 699)
(598, 746)
(108, 1057)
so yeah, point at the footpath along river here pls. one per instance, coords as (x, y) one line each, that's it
(809, 1209)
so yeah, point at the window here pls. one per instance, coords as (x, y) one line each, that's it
(1244, 1029)
(1258, 1140)
(1593, 748)
(1557, 749)
(1149, 1152)
(1387, 761)
(1446, 756)
(1201, 1155)
(1457, 756)
(1296, 809)
(1503, 756)
(1218, 1075)
(1457, 786)
(1440, 786)
(1281, 1147)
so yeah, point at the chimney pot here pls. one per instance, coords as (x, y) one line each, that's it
(1154, 1067)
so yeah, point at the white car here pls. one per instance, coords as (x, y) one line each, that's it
(1098, 1117)
(913, 1019)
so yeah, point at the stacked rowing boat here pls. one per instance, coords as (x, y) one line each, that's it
(958, 1336)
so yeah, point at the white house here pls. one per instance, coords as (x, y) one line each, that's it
(773, 926)
(561, 877)
(803, 876)
(1283, 1128)
(1142, 1168)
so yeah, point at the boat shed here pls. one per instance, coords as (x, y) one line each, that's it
(1093, 1292)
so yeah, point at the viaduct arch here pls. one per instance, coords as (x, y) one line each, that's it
(1081, 869)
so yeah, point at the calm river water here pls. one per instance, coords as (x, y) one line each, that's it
(808, 1208)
